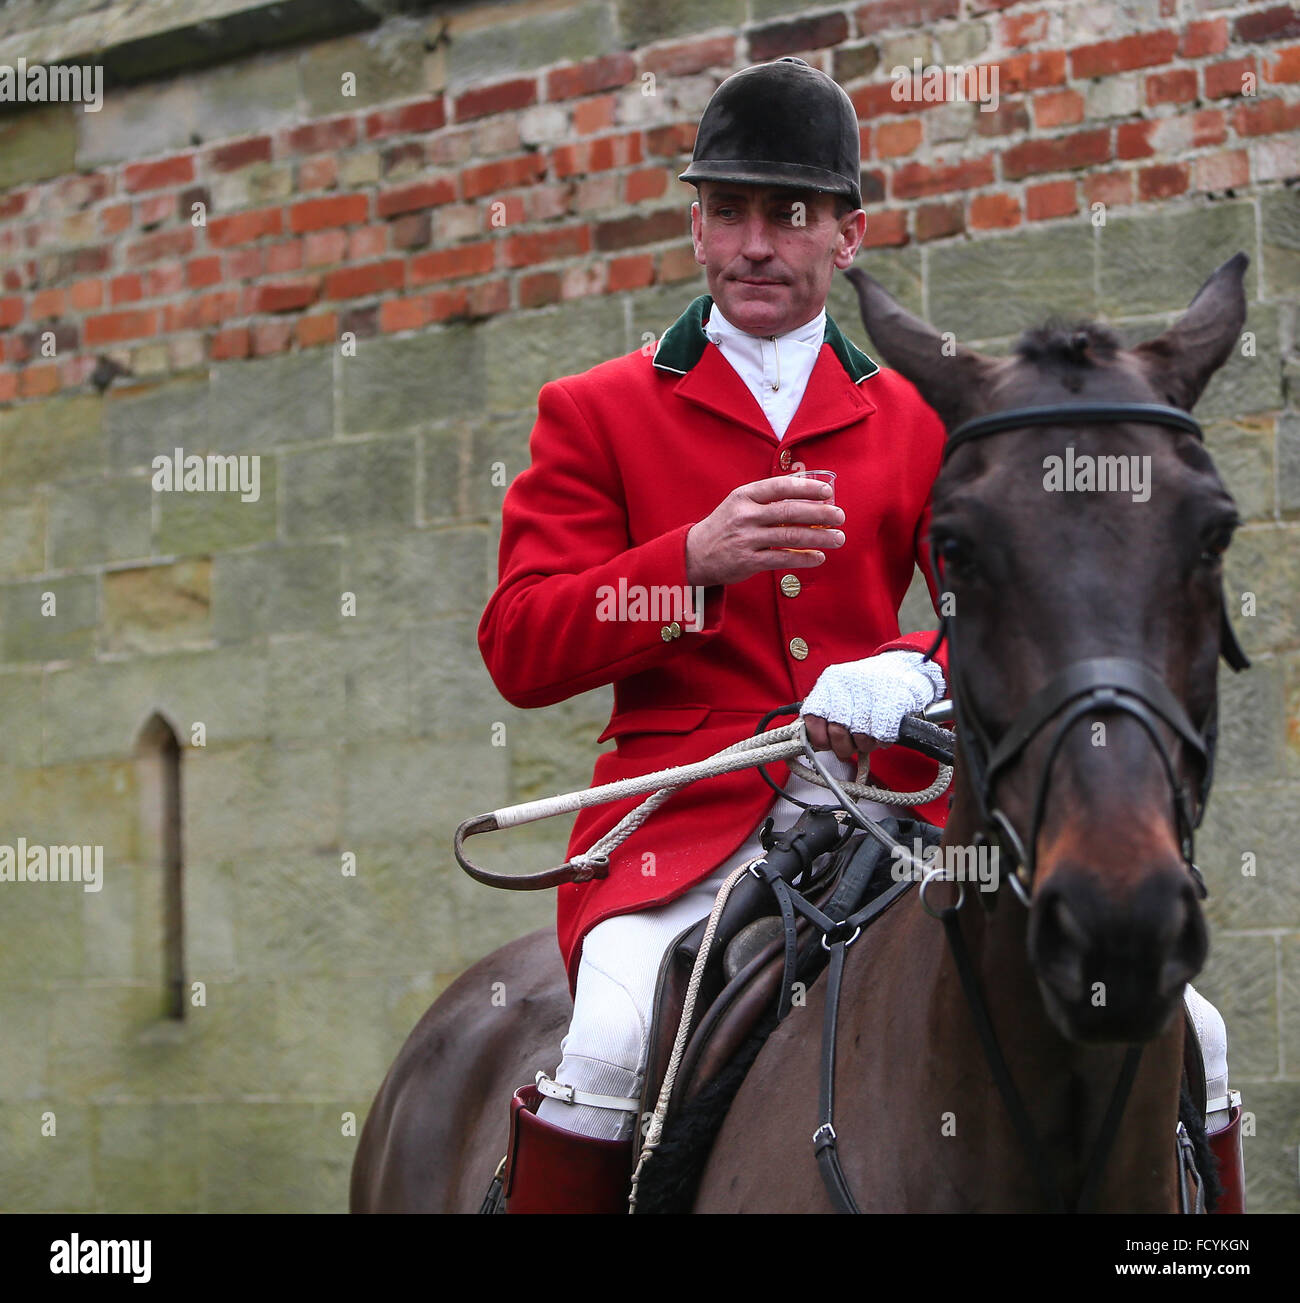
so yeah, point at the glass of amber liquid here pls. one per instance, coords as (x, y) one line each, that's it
(825, 477)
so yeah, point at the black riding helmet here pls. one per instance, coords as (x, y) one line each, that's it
(783, 123)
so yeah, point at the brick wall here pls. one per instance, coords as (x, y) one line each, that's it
(367, 290)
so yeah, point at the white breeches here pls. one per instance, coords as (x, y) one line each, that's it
(608, 1041)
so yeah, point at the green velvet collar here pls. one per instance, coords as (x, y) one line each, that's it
(684, 342)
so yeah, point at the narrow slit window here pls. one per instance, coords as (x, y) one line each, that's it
(158, 760)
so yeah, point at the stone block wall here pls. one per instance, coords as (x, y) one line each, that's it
(354, 240)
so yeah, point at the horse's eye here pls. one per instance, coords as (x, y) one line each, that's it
(956, 552)
(1216, 541)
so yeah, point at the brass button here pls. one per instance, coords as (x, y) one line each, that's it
(791, 586)
(798, 649)
(666, 633)
(785, 459)
(676, 629)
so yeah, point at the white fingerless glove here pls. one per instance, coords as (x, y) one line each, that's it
(872, 696)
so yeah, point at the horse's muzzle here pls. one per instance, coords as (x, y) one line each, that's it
(1112, 966)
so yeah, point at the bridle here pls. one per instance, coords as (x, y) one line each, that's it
(1098, 684)
(1091, 686)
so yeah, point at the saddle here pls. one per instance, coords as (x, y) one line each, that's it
(747, 964)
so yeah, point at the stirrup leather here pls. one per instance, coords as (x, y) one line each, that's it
(571, 1095)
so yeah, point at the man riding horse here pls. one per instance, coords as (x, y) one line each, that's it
(678, 473)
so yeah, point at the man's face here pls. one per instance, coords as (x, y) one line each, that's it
(769, 251)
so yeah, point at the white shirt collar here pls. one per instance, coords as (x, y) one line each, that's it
(811, 332)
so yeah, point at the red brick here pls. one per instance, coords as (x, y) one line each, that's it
(509, 210)
(904, 13)
(1284, 66)
(1110, 188)
(606, 73)
(1024, 29)
(917, 180)
(217, 307)
(162, 282)
(38, 381)
(84, 295)
(1033, 70)
(488, 298)
(815, 33)
(323, 247)
(319, 328)
(8, 386)
(631, 273)
(685, 57)
(630, 232)
(282, 257)
(1199, 39)
(1224, 80)
(373, 278)
(677, 264)
(667, 142)
(447, 264)
(542, 246)
(648, 183)
(415, 118)
(406, 157)
(238, 153)
(501, 174)
(1059, 154)
(1011, 117)
(271, 337)
(445, 304)
(936, 221)
(1178, 86)
(1266, 117)
(201, 272)
(1133, 140)
(895, 139)
(111, 327)
(539, 289)
(114, 219)
(161, 244)
(155, 210)
(886, 229)
(598, 155)
(994, 212)
(243, 228)
(1163, 181)
(1050, 199)
(244, 264)
(11, 205)
(499, 97)
(286, 296)
(413, 231)
(1281, 23)
(125, 289)
(159, 174)
(46, 303)
(1141, 50)
(405, 314)
(419, 194)
(1058, 108)
(319, 173)
(230, 344)
(336, 210)
(596, 114)
(322, 137)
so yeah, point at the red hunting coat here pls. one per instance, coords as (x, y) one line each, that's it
(625, 459)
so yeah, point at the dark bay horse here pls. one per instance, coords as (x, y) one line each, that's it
(1098, 960)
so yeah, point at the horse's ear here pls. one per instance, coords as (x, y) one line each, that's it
(948, 375)
(1180, 362)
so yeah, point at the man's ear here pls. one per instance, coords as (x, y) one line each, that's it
(853, 230)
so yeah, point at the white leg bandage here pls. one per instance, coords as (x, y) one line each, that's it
(1212, 1033)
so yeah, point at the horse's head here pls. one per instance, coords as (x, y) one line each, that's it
(1047, 569)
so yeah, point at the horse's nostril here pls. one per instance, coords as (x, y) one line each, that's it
(1187, 953)
(1060, 946)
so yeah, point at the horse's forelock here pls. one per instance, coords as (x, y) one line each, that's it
(1068, 342)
